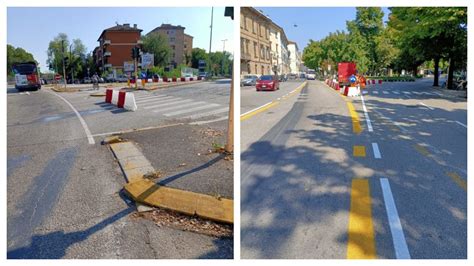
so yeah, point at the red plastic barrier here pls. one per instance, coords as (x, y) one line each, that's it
(165, 79)
(155, 80)
(380, 81)
(199, 78)
(373, 81)
(121, 99)
(108, 95)
(337, 86)
(174, 79)
(183, 79)
(346, 90)
(191, 79)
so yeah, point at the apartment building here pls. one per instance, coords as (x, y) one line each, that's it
(255, 46)
(180, 43)
(295, 57)
(115, 45)
(279, 50)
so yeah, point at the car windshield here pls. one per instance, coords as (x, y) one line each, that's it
(249, 77)
(266, 77)
(24, 69)
(311, 72)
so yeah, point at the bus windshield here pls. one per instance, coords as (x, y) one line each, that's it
(24, 69)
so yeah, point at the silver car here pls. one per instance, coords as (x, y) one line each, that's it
(249, 80)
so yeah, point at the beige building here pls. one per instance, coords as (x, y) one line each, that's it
(255, 46)
(181, 44)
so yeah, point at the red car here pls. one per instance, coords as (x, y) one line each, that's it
(268, 82)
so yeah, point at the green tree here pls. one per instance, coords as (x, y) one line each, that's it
(16, 55)
(57, 48)
(196, 55)
(158, 46)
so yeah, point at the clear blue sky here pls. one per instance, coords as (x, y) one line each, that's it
(33, 28)
(312, 22)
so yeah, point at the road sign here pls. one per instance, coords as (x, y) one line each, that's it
(128, 66)
(57, 77)
(147, 60)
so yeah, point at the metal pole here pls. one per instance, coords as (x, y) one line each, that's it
(64, 65)
(210, 39)
(223, 55)
(229, 146)
(70, 60)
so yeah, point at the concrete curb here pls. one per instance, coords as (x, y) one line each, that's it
(135, 166)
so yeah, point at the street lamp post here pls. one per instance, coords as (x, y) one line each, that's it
(210, 39)
(64, 65)
(223, 55)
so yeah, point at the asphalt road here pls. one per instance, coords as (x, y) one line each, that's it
(307, 191)
(64, 195)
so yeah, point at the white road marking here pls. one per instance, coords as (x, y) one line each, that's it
(406, 92)
(181, 106)
(375, 147)
(396, 92)
(209, 121)
(385, 92)
(142, 97)
(214, 112)
(375, 92)
(429, 107)
(192, 109)
(366, 114)
(156, 100)
(398, 237)
(459, 123)
(178, 101)
(90, 138)
(439, 94)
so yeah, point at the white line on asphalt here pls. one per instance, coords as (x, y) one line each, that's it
(192, 109)
(375, 147)
(459, 123)
(152, 99)
(366, 114)
(248, 112)
(375, 92)
(396, 92)
(406, 92)
(431, 108)
(399, 242)
(213, 112)
(385, 92)
(439, 94)
(182, 106)
(178, 101)
(209, 121)
(83, 123)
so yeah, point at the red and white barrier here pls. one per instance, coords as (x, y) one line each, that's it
(122, 99)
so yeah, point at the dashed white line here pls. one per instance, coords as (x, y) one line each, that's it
(398, 237)
(90, 138)
(375, 147)
(367, 118)
(459, 123)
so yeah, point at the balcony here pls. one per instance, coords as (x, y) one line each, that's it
(246, 56)
(108, 54)
(107, 42)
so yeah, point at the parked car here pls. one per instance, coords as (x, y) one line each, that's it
(87, 80)
(282, 78)
(121, 78)
(203, 75)
(26, 76)
(249, 80)
(268, 82)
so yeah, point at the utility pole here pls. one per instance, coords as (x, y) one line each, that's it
(64, 65)
(229, 146)
(70, 60)
(210, 40)
(223, 55)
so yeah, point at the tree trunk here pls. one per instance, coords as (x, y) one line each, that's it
(450, 74)
(436, 72)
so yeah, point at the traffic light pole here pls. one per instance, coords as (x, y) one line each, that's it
(64, 65)
(136, 74)
(229, 146)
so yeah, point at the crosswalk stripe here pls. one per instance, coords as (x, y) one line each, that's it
(178, 107)
(192, 109)
(396, 92)
(149, 96)
(375, 92)
(214, 112)
(155, 100)
(385, 92)
(167, 104)
(406, 92)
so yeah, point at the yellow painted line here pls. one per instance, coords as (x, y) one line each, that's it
(248, 115)
(257, 111)
(361, 241)
(422, 149)
(359, 151)
(458, 180)
(356, 128)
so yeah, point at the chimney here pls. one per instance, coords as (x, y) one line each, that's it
(126, 25)
(134, 26)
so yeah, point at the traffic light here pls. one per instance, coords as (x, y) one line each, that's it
(229, 12)
(66, 61)
(135, 52)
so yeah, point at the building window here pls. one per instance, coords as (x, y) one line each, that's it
(242, 46)
(256, 69)
(261, 31)
(254, 25)
(263, 70)
(172, 39)
(248, 69)
(242, 21)
(268, 52)
(255, 49)
(262, 51)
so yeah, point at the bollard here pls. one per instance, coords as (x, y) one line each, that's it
(128, 83)
(143, 83)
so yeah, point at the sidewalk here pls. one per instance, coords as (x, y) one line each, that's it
(185, 158)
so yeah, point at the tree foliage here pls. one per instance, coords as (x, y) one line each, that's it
(16, 55)
(158, 46)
